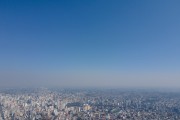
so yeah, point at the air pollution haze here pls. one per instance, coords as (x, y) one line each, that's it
(92, 43)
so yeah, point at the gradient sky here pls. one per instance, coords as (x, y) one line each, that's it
(90, 43)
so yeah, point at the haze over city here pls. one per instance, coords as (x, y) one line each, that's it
(90, 43)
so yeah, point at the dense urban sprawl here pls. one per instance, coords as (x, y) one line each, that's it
(88, 104)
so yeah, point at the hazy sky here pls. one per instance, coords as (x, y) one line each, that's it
(94, 43)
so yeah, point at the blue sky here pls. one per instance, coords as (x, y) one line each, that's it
(90, 37)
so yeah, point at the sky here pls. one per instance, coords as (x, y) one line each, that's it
(90, 43)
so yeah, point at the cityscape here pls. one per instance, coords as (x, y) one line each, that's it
(88, 104)
(89, 59)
